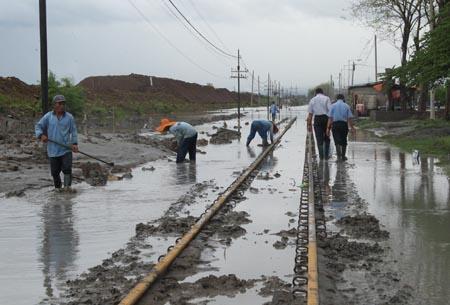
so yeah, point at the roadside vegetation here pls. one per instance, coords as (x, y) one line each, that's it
(429, 137)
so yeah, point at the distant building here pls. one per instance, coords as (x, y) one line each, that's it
(366, 97)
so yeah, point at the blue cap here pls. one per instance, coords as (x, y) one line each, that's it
(59, 98)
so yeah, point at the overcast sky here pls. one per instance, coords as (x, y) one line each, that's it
(299, 42)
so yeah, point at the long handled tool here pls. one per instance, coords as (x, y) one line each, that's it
(87, 155)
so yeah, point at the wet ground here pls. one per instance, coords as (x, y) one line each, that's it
(102, 239)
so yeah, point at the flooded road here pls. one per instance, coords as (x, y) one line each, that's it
(411, 198)
(47, 238)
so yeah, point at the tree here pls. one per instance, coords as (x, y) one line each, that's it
(75, 97)
(391, 18)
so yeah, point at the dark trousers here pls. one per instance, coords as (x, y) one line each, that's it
(187, 145)
(340, 132)
(62, 163)
(256, 127)
(320, 130)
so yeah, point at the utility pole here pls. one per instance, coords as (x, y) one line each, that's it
(44, 62)
(432, 93)
(331, 93)
(268, 94)
(251, 97)
(353, 71)
(259, 94)
(340, 82)
(239, 76)
(376, 59)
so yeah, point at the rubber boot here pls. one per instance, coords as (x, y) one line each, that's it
(67, 180)
(344, 149)
(339, 152)
(320, 149)
(265, 143)
(326, 150)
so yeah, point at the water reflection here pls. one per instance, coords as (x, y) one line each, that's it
(186, 173)
(412, 200)
(269, 162)
(251, 152)
(339, 195)
(59, 245)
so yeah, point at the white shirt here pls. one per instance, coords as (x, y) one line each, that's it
(319, 105)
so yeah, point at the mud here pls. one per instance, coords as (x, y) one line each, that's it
(94, 174)
(362, 226)
(224, 136)
(355, 268)
(110, 281)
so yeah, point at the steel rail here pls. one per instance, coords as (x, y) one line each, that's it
(313, 281)
(161, 267)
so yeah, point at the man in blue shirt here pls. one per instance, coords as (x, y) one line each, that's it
(274, 110)
(186, 136)
(339, 119)
(263, 127)
(59, 126)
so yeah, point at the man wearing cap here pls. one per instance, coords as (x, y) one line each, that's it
(59, 126)
(263, 127)
(186, 136)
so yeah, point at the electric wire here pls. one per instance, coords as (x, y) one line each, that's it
(200, 33)
(144, 17)
(214, 51)
(209, 26)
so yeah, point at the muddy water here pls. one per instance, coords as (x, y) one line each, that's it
(411, 198)
(48, 238)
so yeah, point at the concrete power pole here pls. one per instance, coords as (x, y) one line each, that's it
(259, 94)
(239, 76)
(44, 61)
(376, 59)
(251, 97)
(432, 93)
(268, 94)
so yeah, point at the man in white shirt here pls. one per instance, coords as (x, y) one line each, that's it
(319, 107)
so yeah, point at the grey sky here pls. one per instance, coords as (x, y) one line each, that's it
(300, 42)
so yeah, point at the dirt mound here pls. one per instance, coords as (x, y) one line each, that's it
(94, 173)
(224, 136)
(145, 88)
(12, 86)
(362, 226)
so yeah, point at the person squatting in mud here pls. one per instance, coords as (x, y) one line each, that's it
(59, 126)
(318, 107)
(263, 127)
(339, 119)
(186, 136)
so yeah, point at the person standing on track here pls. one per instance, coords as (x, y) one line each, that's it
(318, 107)
(59, 125)
(186, 136)
(263, 127)
(273, 111)
(340, 119)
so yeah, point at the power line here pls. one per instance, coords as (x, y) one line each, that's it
(209, 27)
(175, 15)
(169, 42)
(199, 33)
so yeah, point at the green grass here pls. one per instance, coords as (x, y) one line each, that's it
(18, 105)
(367, 124)
(429, 146)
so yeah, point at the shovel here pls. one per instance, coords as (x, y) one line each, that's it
(87, 155)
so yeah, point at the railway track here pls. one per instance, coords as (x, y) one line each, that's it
(305, 282)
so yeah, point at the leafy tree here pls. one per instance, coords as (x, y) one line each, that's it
(392, 18)
(75, 96)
